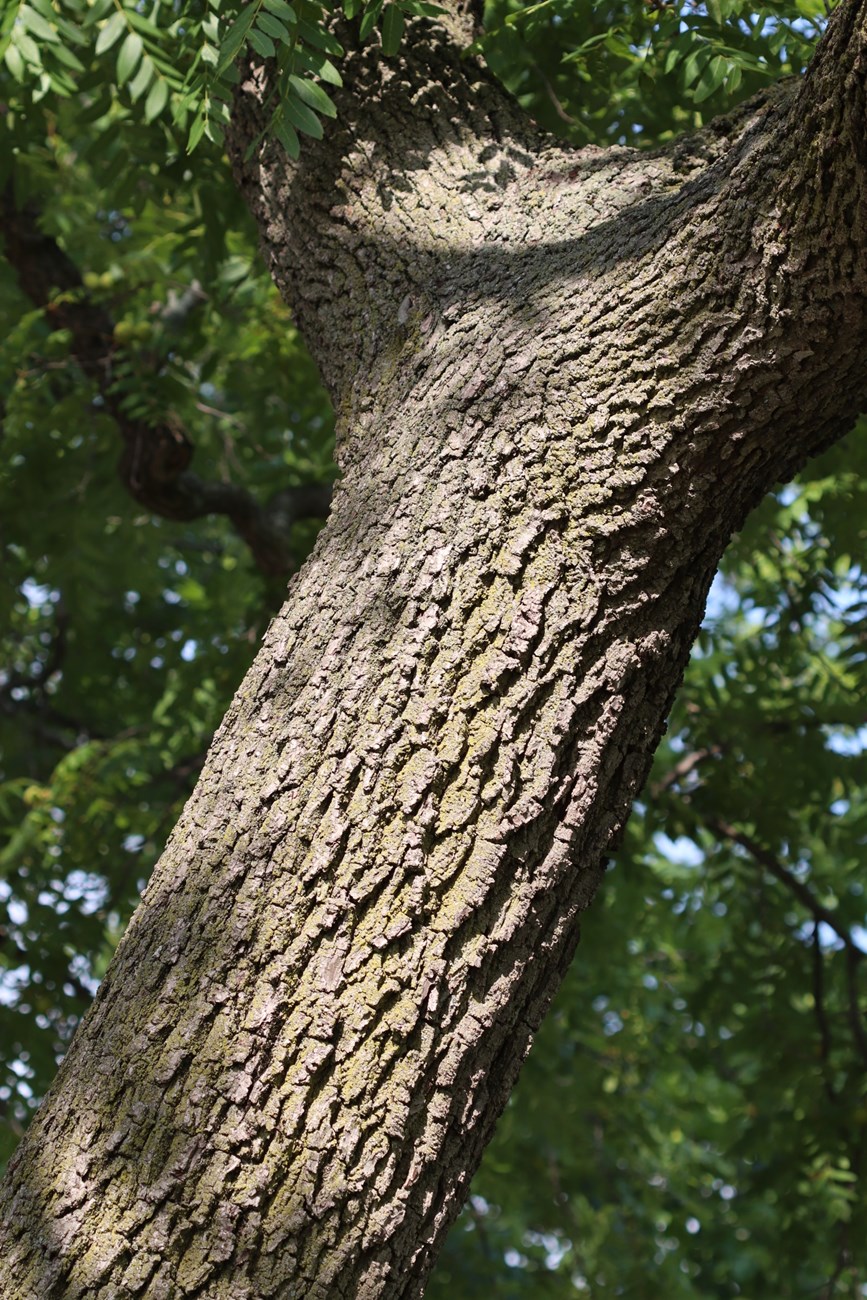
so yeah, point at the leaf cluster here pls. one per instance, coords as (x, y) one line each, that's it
(631, 72)
(178, 61)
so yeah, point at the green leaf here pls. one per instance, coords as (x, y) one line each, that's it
(675, 54)
(579, 53)
(313, 95)
(60, 83)
(66, 56)
(143, 25)
(712, 78)
(392, 29)
(369, 19)
(28, 47)
(320, 39)
(619, 47)
(422, 9)
(197, 130)
(111, 32)
(230, 47)
(694, 65)
(734, 79)
(779, 38)
(317, 64)
(302, 117)
(288, 137)
(272, 26)
(282, 10)
(141, 80)
(128, 56)
(14, 62)
(156, 100)
(97, 11)
(36, 24)
(72, 34)
(261, 43)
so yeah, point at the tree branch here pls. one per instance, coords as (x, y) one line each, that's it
(821, 1017)
(802, 892)
(21, 694)
(855, 1021)
(820, 914)
(154, 464)
(683, 768)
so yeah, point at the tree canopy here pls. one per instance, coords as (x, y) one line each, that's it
(693, 1115)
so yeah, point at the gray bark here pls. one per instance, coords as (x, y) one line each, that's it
(562, 379)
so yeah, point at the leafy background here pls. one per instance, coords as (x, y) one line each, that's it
(692, 1119)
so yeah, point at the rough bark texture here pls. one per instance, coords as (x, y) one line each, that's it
(562, 379)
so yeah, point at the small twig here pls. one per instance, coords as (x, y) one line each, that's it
(854, 954)
(683, 768)
(220, 415)
(179, 305)
(801, 891)
(8, 1118)
(43, 713)
(481, 1229)
(855, 1020)
(830, 1287)
(821, 1017)
(561, 112)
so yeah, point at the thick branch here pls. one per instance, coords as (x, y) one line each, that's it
(431, 195)
(154, 464)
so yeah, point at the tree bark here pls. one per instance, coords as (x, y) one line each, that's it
(562, 379)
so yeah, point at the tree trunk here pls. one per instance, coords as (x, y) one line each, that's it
(562, 378)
